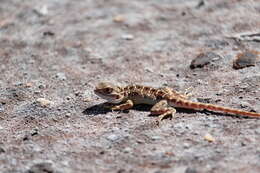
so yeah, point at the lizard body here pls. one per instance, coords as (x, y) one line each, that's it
(164, 100)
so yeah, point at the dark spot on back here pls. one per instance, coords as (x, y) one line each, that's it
(131, 87)
(178, 101)
(138, 87)
(146, 89)
(173, 100)
(186, 103)
(161, 93)
(153, 90)
(134, 94)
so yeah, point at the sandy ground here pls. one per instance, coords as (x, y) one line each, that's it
(53, 53)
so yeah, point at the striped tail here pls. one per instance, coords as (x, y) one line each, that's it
(210, 107)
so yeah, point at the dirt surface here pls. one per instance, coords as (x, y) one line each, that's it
(53, 53)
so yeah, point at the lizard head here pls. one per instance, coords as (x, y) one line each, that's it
(109, 92)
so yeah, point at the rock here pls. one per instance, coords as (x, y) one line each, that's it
(245, 59)
(2, 150)
(203, 59)
(41, 168)
(44, 102)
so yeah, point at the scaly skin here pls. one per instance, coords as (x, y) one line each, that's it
(163, 100)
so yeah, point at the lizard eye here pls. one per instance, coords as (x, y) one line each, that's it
(108, 90)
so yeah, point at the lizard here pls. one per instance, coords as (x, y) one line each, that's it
(164, 100)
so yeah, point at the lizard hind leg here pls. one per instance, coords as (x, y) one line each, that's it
(163, 110)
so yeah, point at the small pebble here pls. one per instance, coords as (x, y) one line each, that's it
(41, 86)
(156, 138)
(68, 98)
(118, 19)
(208, 137)
(257, 130)
(48, 33)
(34, 132)
(127, 37)
(77, 93)
(245, 59)
(127, 150)
(1, 110)
(37, 92)
(44, 102)
(68, 115)
(186, 145)
(200, 4)
(43, 10)
(2, 150)
(112, 137)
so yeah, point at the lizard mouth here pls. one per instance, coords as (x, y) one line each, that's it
(111, 98)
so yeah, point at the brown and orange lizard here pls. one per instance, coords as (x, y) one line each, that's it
(163, 100)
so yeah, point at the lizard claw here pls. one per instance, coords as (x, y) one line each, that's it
(163, 116)
(188, 92)
(115, 108)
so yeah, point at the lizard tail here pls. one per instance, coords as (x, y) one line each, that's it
(210, 107)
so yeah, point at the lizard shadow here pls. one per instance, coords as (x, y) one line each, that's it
(96, 110)
(208, 113)
(101, 109)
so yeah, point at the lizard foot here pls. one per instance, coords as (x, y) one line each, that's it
(163, 110)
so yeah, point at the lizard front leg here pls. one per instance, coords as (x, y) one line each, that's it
(127, 105)
(162, 109)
